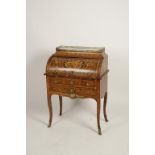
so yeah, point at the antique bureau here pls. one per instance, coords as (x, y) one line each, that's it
(78, 72)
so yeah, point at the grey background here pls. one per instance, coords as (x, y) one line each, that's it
(51, 23)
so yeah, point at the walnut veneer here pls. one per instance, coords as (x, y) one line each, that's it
(78, 72)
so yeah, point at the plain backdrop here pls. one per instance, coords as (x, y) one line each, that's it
(51, 23)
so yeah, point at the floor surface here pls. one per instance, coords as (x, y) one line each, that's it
(75, 132)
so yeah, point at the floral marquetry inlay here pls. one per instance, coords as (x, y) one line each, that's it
(73, 64)
(90, 64)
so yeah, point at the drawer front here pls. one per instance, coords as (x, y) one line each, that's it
(72, 82)
(55, 80)
(72, 91)
(85, 91)
(88, 83)
(60, 89)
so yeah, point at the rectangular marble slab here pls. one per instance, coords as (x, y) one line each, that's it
(80, 49)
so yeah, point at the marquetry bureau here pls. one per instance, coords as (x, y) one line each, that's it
(78, 72)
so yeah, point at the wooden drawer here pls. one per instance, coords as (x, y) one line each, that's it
(61, 89)
(55, 80)
(79, 82)
(71, 81)
(88, 83)
(85, 91)
(61, 80)
(72, 91)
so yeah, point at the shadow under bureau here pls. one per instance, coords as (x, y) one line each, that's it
(78, 72)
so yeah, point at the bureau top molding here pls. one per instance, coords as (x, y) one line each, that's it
(80, 52)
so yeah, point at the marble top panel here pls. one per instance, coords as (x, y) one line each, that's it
(80, 49)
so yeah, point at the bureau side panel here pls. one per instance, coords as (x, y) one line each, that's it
(104, 65)
(104, 85)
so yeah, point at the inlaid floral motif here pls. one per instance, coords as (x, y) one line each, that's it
(90, 64)
(73, 64)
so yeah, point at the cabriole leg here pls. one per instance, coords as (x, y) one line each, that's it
(98, 116)
(104, 107)
(50, 109)
(60, 100)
